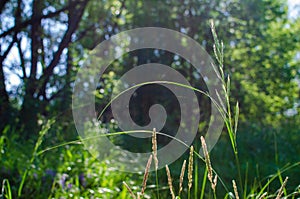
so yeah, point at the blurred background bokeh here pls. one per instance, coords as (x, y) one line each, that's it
(43, 44)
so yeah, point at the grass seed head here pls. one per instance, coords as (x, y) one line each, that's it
(214, 184)
(170, 182)
(207, 160)
(129, 190)
(263, 195)
(190, 168)
(181, 177)
(146, 174)
(154, 148)
(235, 190)
(280, 192)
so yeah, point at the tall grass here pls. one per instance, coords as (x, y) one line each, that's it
(255, 192)
(38, 143)
(6, 188)
(230, 116)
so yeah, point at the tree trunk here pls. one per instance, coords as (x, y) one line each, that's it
(30, 105)
(4, 100)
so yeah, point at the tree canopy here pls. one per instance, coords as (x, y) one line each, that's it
(43, 43)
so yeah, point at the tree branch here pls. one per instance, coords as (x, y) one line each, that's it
(74, 22)
(83, 33)
(22, 60)
(22, 25)
(2, 57)
(35, 37)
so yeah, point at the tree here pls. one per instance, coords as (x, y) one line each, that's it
(51, 39)
(47, 45)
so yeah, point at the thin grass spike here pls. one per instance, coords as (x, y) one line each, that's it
(214, 184)
(146, 174)
(190, 168)
(154, 148)
(207, 160)
(280, 192)
(181, 177)
(263, 195)
(170, 182)
(129, 190)
(235, 190)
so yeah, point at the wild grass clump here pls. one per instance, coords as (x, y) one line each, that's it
(230, 116)
(213, 178)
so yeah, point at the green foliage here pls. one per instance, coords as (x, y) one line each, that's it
(260, 42)
(67, 171)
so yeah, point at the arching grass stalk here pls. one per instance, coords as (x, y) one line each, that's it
(231, 121)
(38, 143)
(261, 191)
(80, 141)
(275, 175)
